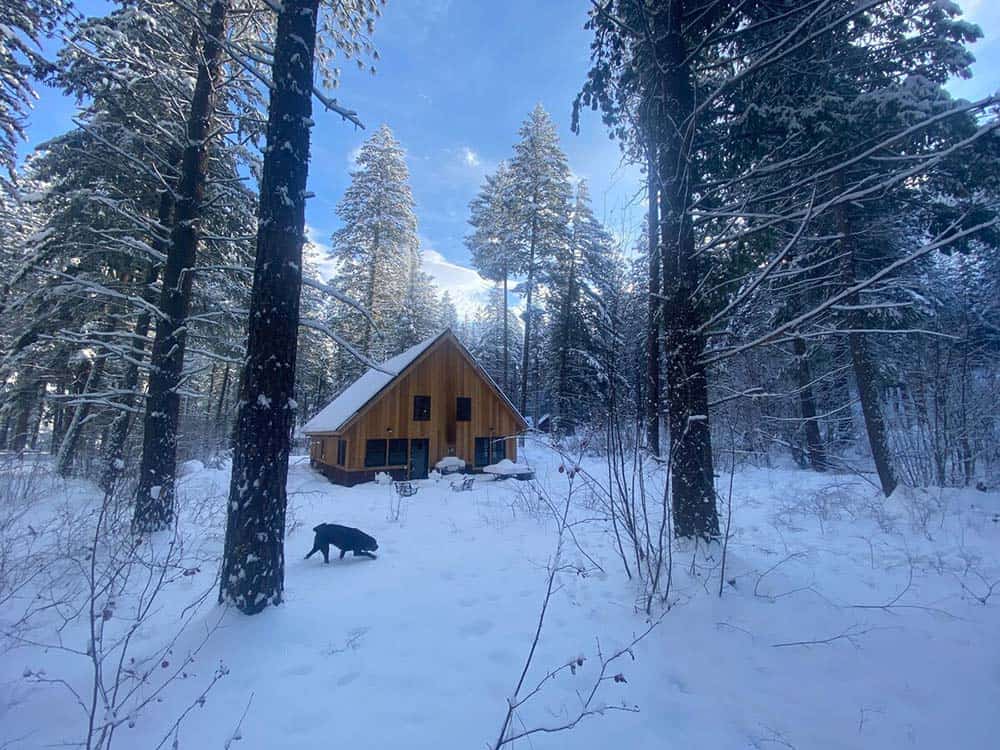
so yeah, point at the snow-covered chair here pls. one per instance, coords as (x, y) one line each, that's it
(463, 486)
(405, 489)
(450, 465)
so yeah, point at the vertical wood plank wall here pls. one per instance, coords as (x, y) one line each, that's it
(443, 373)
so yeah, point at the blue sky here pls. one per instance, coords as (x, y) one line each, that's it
(456, 79)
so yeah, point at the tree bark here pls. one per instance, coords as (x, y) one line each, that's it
(691, 466)
(253, 567)
(653, 309)
(154, 502)
(27, 391)
(807, 405)
(114, 456)
(70, 441)
(865, 375)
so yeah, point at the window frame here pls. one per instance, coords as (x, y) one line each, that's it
(369, 452)
(475, 451)
(341, 452)
(406, 452)
(498, 445)
(423, 414)
(459, 401)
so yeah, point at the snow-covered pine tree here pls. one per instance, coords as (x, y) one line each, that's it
(419, 315)
(25, 23)
(375, 247)
(542, 191)
(570, 365)
(497, 246)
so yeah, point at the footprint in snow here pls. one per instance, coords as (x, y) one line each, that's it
(348, 678)
(476, 628)
(298, 670)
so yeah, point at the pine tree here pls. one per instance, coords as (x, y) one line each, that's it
(496, 245)
(253, 566)
(572, 315)
(376, 246)
(540, 180)
(24, 24)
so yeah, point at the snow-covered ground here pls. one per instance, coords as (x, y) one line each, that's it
(422, 647)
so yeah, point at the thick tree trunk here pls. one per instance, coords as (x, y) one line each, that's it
(653, 310)
(866, 379)
(807, 405)
(253, 567)
(691, 466)
(154, 502)
(24, 404)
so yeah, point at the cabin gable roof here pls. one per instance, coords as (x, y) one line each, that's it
(364, 392)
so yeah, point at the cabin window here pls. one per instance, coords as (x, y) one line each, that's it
(397, 452)
(499, 448)
(375, 453)
(322, 448)
(463, 409)
(421, 408)
(482, 451)
(341, 452)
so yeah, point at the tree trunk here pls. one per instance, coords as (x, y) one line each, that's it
(807, 404)
(691, 469)
(653, 310)
(70, 441)
(218, 408)
(114, 456)
(864, 367)
(154, 502)
(563, 423)
(506, 337)
(27, 390)
(526, 354)
(253, 567)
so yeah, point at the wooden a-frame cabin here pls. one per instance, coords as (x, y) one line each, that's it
(431, 401)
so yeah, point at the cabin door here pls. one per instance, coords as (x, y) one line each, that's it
(419, 450)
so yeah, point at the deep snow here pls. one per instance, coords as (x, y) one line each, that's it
(422, 647)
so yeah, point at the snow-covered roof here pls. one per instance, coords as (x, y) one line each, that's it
(340, 411)
(364, 389)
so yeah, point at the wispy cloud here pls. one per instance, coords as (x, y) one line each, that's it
(467, 288)
(470, 157)
(317, 253)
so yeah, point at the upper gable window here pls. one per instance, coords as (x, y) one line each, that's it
(463, 409)
(421, 408)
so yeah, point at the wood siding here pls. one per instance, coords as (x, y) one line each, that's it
(444, 372)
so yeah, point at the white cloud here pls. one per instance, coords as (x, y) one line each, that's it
(467, 288)
(470, 157)
(317, 253)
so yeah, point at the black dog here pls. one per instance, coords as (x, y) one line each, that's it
(343, 538)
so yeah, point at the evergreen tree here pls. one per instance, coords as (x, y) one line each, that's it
(497, 247)
(377, 246)
(539, 175)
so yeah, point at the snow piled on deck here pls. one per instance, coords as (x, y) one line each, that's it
(422, 647)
